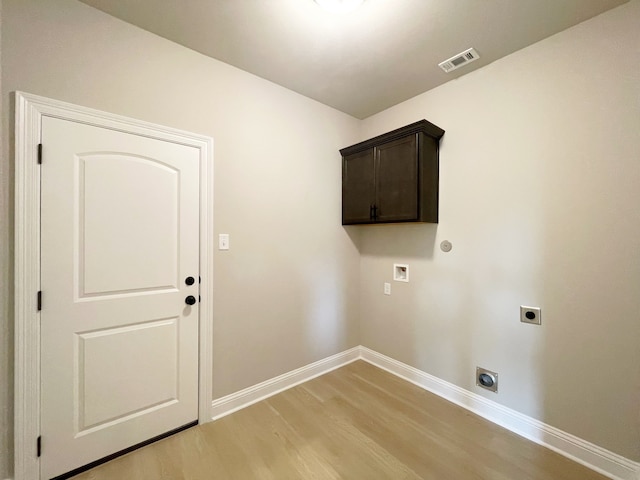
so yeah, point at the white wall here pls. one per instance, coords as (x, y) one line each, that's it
(540, 196)
(286, 293)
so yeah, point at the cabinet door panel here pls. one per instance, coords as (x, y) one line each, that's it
(358, 187)
(397, 180)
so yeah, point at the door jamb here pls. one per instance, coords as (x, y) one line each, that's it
(29, 112)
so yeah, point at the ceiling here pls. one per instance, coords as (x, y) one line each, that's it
(363, 62)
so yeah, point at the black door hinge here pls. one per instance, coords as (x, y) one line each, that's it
(40, 300)
(40, 153)
(39, 445)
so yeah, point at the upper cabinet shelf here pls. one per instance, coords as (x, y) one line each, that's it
(392, 177)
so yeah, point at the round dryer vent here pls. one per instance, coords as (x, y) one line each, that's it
(487, 379)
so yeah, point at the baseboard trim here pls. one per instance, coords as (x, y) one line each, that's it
(231, 403)
(588, 454)
(592, 456)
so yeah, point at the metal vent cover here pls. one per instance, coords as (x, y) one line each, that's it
(459, 60)
(487, 379)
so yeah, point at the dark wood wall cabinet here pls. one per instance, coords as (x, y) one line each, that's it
(392, 177)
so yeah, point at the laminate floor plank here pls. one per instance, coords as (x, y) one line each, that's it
(356, 422)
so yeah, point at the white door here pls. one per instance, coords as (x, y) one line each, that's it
(119, 344)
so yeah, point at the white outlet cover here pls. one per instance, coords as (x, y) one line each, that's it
(387, 288)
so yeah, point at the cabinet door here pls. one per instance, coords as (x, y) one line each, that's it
(358, 187)
(397, 180)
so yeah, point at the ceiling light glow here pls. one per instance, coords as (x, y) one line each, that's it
(339, 6)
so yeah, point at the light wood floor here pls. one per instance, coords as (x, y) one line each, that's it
(357, 423)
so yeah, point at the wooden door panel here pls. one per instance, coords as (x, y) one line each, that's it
(358, 187)
(128, 218)
(119, 347)
(151, 376)
(397, 180)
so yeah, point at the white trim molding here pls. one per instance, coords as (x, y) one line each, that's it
(27, 282)
(592, 456)
(30, 109)
(236, 401)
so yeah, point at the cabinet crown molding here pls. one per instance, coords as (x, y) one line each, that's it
(423, 126)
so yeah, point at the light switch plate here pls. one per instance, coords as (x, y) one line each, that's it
(223, 241)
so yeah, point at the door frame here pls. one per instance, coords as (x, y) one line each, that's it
(29, 112)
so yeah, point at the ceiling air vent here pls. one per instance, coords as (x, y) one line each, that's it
(459, 60)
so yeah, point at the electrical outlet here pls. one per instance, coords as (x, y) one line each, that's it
(387, 288)
(530, 315)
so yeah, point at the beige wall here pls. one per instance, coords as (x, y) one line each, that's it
(539, 182)
(286, 293)
(540, 196)
(6, 344)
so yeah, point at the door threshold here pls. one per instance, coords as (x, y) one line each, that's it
(108, 458)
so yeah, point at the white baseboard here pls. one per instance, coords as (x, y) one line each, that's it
(238, 400)
(592, 456)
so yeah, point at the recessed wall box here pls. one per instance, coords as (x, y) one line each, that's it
(400, 272)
